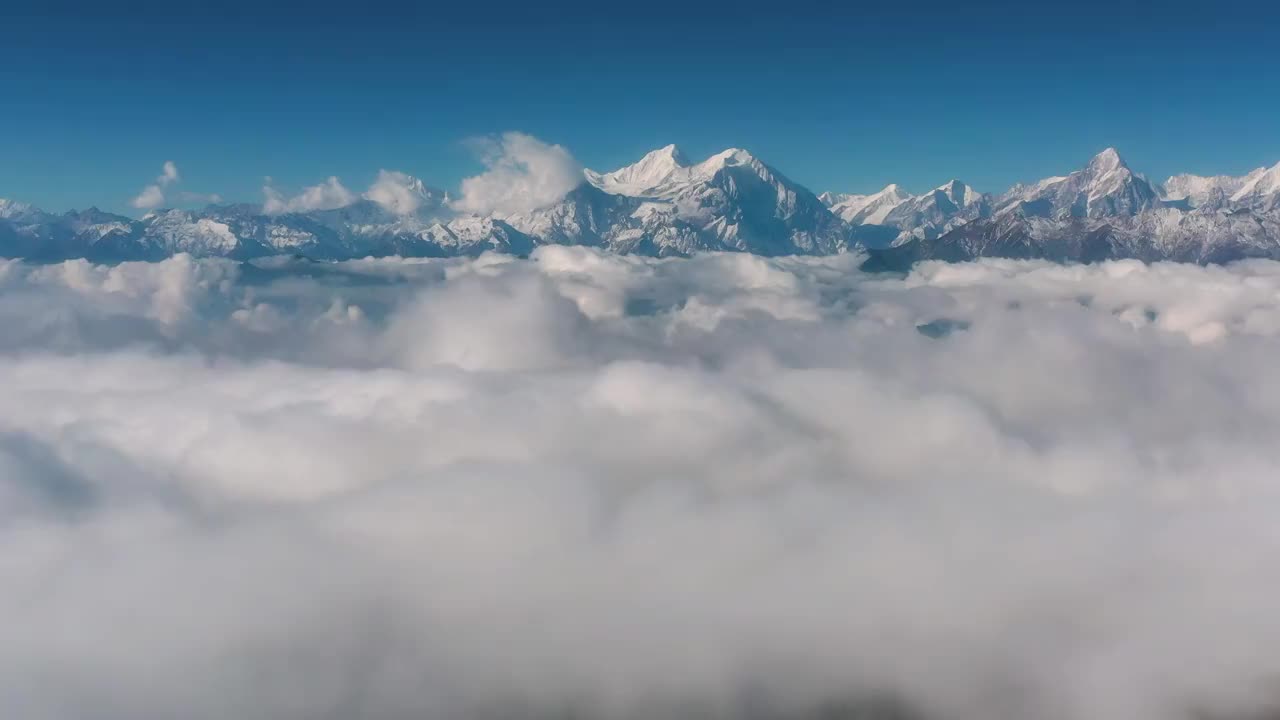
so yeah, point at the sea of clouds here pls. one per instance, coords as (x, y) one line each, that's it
(590, 486)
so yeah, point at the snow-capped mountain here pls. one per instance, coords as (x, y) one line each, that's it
(1192, 191)
(661, 205)
(173, 231)
(937, 211)
(732, 201)
(1106, 211)
(866, 209)
(15, 211)
(1197, 236)
(585, 216)
(398, 216)
(906, 216)
(26, 231)
(1103, 188)
(1260, 188)
(647, 177)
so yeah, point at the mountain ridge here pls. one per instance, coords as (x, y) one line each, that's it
(664, 204)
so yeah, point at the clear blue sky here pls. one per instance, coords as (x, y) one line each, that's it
(94, 97)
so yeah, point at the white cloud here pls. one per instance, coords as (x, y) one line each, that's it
(617, 487)
(150, 198)
(156, 194)
(523, 174)
(328, 195)
(397, 192)
(169, 174)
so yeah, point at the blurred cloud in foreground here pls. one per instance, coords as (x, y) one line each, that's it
(615, 487)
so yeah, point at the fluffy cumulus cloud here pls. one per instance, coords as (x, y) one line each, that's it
(522, 174)
(168, 174)
(592, 486)
(153, 195)
(328, 195)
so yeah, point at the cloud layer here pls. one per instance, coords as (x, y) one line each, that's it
(600, 486)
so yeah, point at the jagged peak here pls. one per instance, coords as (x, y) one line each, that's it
(11, 208)
(959, 192)
(893, 192)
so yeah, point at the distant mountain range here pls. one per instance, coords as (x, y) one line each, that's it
(1103, 211)
(665, 205)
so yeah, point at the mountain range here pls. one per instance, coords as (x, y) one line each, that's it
(732, 201)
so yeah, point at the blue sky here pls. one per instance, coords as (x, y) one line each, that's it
(837, 96)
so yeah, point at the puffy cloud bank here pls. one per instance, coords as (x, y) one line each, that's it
(398, 192)
(328, 195)
(594, 486)
(523, 174)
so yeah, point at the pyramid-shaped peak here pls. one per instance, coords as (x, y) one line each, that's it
(656, 169)
(959, 192)
(1106, 161)
(668, 152)
(893, 192)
